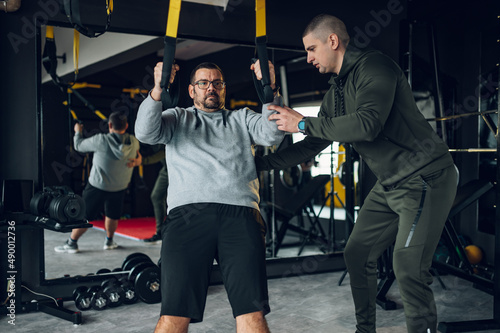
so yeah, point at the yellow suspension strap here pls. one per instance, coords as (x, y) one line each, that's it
(72, 90)
(170, 93)
(76, 51)
(72, 11)
(263, 86)
(49, 59)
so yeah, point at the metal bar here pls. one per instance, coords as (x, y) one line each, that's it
(439, 96)
(58, 311)
(473, 150)
(461, 115)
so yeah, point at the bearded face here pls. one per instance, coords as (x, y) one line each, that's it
(209, 99)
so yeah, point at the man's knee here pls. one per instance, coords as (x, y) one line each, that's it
(254, 322)
(409, 268)
(172, 324)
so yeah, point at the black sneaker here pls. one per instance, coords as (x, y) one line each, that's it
(153, 240)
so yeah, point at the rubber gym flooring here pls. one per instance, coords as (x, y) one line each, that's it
(307, 303)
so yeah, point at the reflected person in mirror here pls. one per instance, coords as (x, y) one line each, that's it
(115, 155)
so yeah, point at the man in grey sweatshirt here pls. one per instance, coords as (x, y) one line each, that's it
(115, 155)
(213, 199)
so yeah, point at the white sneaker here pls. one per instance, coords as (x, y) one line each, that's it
(110, 245)
(66, 248)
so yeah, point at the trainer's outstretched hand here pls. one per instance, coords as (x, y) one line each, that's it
(287, 119)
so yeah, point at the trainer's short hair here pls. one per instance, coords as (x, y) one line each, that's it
(323, 25)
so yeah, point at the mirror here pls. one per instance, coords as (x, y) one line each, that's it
(115, 73)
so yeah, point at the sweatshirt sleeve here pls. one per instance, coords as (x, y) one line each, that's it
(375, 83)
(87, 145)
(152, 126)
(263, 131)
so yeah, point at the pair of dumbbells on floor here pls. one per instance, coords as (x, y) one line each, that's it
(138, 278)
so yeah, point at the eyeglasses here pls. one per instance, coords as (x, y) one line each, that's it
(204, 84)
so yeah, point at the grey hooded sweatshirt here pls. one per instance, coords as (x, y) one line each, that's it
(112, 152)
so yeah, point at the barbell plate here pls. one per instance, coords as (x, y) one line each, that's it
(132, 256)
(138, 268)
(103, 271)
(129, 264)
(147, 285)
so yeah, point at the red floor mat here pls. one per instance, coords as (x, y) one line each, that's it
(133, 228)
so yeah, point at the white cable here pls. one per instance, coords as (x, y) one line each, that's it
(48, 296)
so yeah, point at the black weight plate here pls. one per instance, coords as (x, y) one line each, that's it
(94, 289)
(127, 266)
(132, 256)
(99, 300)
(147, 285)
(115, 295)
(137, 269)
(103, 271)
(78, 291)
(130, 295)
(83, 301)
(109, 282)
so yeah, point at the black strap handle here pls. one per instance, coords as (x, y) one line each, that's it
(263, 87)
(72, 11)
(49, 59)
(170, 92)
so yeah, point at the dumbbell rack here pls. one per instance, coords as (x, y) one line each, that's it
(138, 278)
(29, 269)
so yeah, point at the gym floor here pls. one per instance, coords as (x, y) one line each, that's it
(306, 303)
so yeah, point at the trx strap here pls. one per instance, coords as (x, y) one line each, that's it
(76, 50)
(170, 93)
(50, 64)
(87, 104)
(72, 11)
(50, 55)
(263, 86)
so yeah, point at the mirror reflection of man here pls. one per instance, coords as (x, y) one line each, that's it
(115, 155)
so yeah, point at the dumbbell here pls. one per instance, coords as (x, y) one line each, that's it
(133, 259)
(113, 291)
(128, 289)
(82, 297)
(147, 284)
(140, 279)
(99, 300)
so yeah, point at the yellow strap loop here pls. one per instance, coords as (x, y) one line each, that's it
(100, 115)
(174, 11)
(141, 171)
(49, 33)
(73, 114)
(260, 18)
(109, 7)
(76, 49)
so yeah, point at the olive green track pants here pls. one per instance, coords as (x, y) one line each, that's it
(410, 215)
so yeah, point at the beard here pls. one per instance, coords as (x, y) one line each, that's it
(212, 101)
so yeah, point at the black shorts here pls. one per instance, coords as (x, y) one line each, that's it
(196, 234)
(95, 199)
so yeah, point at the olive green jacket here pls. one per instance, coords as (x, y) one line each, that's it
(377, 114)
